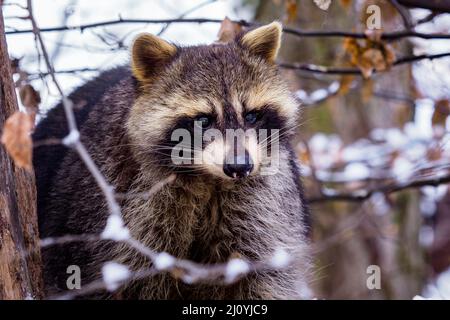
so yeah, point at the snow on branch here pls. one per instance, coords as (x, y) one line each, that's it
(388, 161)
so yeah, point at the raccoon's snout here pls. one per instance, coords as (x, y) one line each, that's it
(240, 168)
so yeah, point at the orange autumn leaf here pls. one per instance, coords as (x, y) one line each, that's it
(291, 10)
(370, 60)
(367, 90)
(372, 55)
(345, 84)
(389, 55)
(346, 3)
(303, 155)
(352, 47)
(16, 137)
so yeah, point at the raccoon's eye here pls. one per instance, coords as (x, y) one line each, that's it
(203, 122)
(251, 117)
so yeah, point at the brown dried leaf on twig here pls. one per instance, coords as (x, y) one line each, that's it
(291, 10)
(228, 31)
(29, 97)
(346, 3)
(345, 84)
(373, 55)
(441, 112)
(17, 139)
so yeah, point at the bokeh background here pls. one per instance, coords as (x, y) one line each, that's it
(373, 144)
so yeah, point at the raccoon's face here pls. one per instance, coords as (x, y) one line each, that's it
(220, 109)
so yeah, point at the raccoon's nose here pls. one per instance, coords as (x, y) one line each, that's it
(241, 168)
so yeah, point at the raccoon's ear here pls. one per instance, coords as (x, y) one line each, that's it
(149, 55)
(263, 41)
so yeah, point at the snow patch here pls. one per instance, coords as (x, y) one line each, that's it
(280, 259)
(235, 267)
(115, 229)
(114, 274)
(163, 261)
(71, 138)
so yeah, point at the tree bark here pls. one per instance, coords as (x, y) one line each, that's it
(20, 262)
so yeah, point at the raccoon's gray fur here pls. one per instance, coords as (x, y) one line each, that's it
(125, 117)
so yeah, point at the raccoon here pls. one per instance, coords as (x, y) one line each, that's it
(214, 209)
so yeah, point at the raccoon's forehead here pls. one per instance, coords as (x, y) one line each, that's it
(214, 78)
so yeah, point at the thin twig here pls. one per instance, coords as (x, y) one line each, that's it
(184, 14)
(362, 195)
(396, 35)
(312, 68)
(340, 71)
(403, 13)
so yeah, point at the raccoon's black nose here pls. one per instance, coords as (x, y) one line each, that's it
(240, 168)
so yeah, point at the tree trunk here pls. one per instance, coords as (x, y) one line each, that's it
(20, 262)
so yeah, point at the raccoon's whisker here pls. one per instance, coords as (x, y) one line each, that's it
(160, 146)
(280, 135)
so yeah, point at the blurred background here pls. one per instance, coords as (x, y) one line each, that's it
(374, 131)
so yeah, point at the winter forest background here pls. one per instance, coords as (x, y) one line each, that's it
(373, 139)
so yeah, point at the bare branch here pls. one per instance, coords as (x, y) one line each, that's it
(396, 35)
(335, 70)
(403, 13)
(435, 5)
(362, 195)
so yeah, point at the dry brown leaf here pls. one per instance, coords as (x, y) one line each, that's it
(345, 84)
(434, 153)
(228, 31)
(352, 47)
(16, 137)
(291, 10)
(375, 58)
(441, 112)
(367, 90)
(15, 65)
(368, 60)
(303, 155)
(346, 3)
(29, 97)
(371, 55)
(389, 55)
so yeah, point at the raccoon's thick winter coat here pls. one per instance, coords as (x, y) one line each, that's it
(123, 115)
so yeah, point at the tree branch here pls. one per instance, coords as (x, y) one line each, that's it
(297, 66)
(362, 195)
(403, 13)
(434, 5)
(335, 70)
(294, 31)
